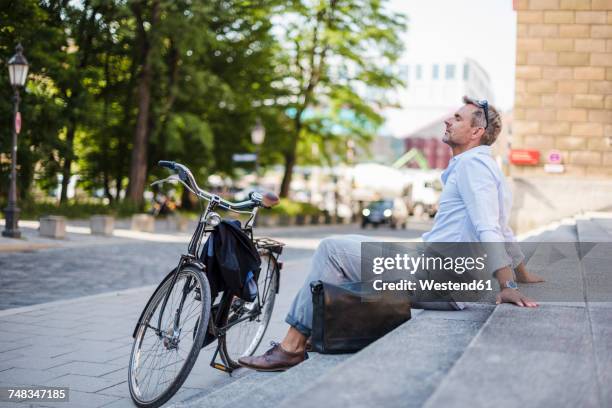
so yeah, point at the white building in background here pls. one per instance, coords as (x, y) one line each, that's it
(433, 90)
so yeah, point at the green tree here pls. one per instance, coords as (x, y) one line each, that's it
(336, 51)
(41, 105)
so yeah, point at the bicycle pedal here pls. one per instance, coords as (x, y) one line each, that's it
(221, 367)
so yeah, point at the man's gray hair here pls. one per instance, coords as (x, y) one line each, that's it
(478, 120)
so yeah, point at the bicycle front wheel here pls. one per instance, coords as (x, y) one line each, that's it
(247, 322)
(163, 355)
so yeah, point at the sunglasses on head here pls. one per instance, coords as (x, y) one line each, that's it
(484, 104)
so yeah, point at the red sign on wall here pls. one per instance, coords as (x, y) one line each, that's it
(524, 157)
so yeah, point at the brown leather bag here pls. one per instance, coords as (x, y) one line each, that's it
(348, 317)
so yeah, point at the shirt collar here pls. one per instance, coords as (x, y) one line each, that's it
(482, 149)
(472, 152)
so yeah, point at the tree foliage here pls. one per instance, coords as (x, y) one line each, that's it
(116, 85)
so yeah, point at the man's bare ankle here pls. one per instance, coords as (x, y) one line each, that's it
(292, 347)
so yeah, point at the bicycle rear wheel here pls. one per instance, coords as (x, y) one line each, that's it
(162, 357)
(250, 320)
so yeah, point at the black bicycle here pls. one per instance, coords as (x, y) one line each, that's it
(180, 318)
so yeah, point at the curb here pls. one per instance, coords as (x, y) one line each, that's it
(25, 309)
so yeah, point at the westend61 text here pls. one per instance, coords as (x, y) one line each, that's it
(430, 284)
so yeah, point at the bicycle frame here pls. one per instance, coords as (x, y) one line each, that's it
(207, 221)
(194, 247)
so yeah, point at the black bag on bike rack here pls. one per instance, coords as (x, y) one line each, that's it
(232, 261)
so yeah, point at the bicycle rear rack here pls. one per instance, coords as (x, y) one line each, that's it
(270, 244)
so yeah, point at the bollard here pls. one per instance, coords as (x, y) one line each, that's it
(102, 225)
(143, 222)
(52, 226)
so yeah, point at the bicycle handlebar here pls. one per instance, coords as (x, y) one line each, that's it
(266, 200)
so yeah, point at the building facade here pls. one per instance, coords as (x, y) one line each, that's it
(433, 90)
(563, 107)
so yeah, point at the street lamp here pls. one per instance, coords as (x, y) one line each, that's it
(18, 72)
(258, 134)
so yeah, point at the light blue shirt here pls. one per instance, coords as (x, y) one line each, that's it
(475, 206)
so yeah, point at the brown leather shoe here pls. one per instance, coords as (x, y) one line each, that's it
(275, 359)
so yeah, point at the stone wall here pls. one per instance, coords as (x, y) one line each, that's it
(563, 102)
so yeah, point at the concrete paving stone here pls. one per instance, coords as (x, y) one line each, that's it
(601, 321)
(18, 328)
(563, 283)
(127, 265)
(98, 357)
(12, 345)
(84, 368)
(121, 403)
(602, 250)
(17, 338)
(29, 362)
(267, 393)
(6, 362)
(10, 404)
(591, 231)
(79, 399)
(496, 377)
(406, 365)
(100, 335)
(42, 352)
(81, 382)
(42, 341)
(224, 390)
(563, 233)
(598, 279)
(21, 376)
(477, 312)
(118, 390)
(21, 319)
(59, 324)
(120, 374)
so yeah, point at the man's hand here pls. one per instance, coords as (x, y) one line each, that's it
(508, 295)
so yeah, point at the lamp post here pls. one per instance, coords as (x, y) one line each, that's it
(18, 72)
(258, 135)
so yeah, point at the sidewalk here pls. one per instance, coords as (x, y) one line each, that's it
(85, 344)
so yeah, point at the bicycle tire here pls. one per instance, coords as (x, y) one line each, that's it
(198, 338)
(231, 355)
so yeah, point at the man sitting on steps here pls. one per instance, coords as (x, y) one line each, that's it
(474, 207)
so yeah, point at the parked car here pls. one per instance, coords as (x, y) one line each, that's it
(392, 212)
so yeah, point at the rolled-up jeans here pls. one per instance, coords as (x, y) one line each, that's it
(338, 260)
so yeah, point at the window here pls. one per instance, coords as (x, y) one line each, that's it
(466, 72)
(449, 72)
(419, 72)
(435, 72)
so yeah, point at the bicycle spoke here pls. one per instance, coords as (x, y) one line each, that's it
(161, 353)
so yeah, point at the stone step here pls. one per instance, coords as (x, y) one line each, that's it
(592, 230)
(401, 369)
(551, 354)
(563, 233)
(528, 357)
(557, 354)
(265, 389)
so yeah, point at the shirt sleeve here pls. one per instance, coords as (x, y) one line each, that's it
(479, 190)
(512, 247)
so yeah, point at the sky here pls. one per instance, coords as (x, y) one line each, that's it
(484, 30)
